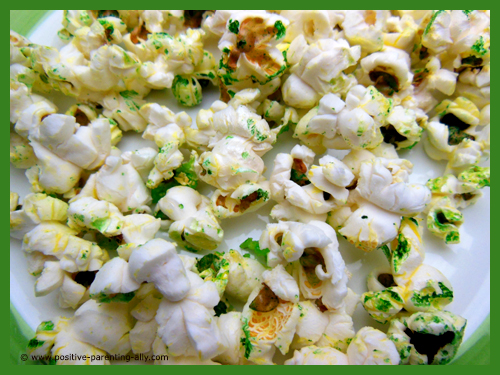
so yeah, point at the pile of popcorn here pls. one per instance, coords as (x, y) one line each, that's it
(372, 82)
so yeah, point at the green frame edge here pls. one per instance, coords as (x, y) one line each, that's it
(475, 351)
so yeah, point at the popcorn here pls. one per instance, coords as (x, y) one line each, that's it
(312, 355)
(75, 254)
(451, 193)
(442, 327)
(110, 67)
(366, 225)
(139, 228)
(246, 198)
(124, 109)
(91, 316)
(142, 160)
(317, 70)
(215, 22)
(339, 331)
(119, 183)
(212, 267)
(270, 322)
(388, 71)
(27, 111)
(320, 269)
(311, 326)
(86, 146)
(383, 305)
(35, 209)
(402, 130)
(371, 346)
(249, 48)
(433, 77)
(91, 213)
(239, 118)
(384, 183)
(451, 127)
(104, 30)
(169, 132)
(245, 274)
(231, 163)
(157, 261)
(52, 173)
(142, 336)
(362, 83)
(428, 289)
(21, 153)
(188, 327)
(187, 91)
(332, 176)
(463, 35)
(113, 283)
(59, 339)
(318, 129)
(312, 24)
(195, 225)
(14, 199)
(366, 111)
(401, 31)
(179, 63)
(231, 333)
(407, 253)
(290, 183)
(365, 28)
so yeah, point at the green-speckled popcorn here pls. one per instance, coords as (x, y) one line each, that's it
(427, 337)
(382, 306)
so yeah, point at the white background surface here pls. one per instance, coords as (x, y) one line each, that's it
(466, 265)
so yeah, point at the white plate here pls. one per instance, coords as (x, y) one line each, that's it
(466, 265)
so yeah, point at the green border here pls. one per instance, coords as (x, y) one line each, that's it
(476, 350)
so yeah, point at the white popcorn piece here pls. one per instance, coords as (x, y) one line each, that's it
(105, 326)
(365, 28)
(75, 254)
(311, 326)
(339, 331)
(230, 327)
(384, 182)
(112, 280)
(366, 225)
(318, 70)
(318, 128)
(366, 111)
(245, 274)
(270, 322)
(372, 347)
(246, 198)
(21, 152)
(59, 338)
(195, 225)
(142, 160)
(91, 213)
(119, 183)
(188, 327)
(35, 209)
(157, 261)
(313, 355)
(231, 163)
(312, 24)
